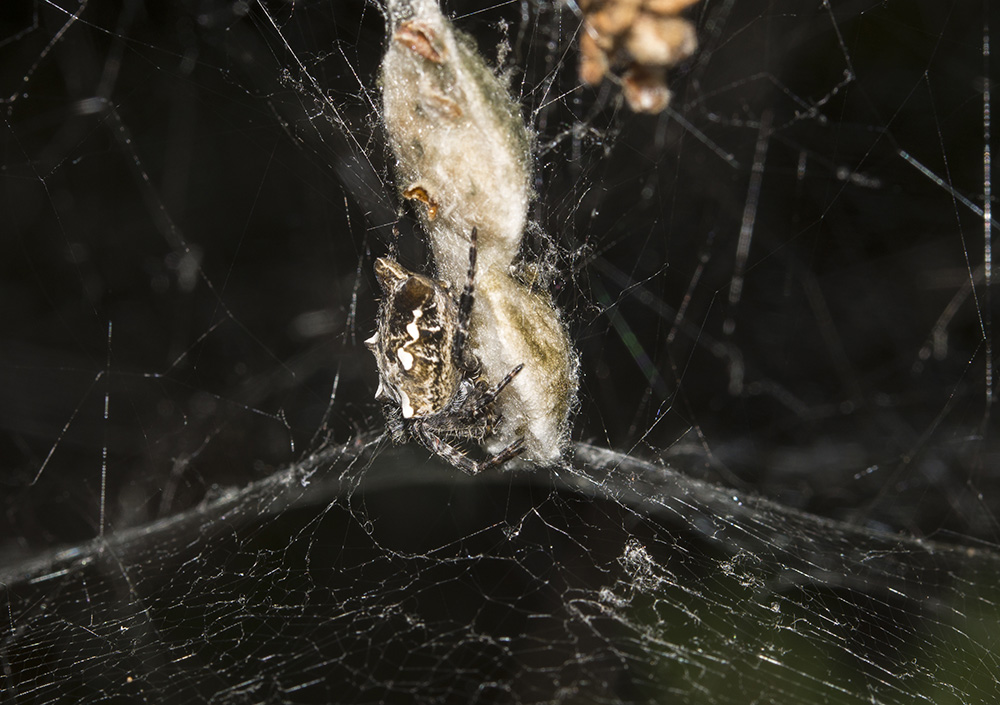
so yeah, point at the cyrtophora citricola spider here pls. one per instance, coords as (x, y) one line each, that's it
(430, 383)
(463, 157)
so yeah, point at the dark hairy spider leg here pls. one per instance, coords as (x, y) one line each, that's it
(466, 300)
(484, 401)
(511, 451)
(395, 423)
(436, 445)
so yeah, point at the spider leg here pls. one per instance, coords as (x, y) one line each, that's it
(466, 300)
(438, 446)
(394, 422)
(484, 401)
(511, 451)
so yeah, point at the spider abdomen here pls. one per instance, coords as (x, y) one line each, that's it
(413, 345)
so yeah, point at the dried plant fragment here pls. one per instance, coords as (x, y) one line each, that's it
(419, 193)
(418, 39)
(645, 89)
(644, 37)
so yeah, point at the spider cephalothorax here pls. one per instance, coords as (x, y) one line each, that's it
(431, 386)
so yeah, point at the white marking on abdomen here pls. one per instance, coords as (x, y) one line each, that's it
(404, 404)
(411, 327)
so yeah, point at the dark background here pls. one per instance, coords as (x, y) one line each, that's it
(215, 189)
(192, 195)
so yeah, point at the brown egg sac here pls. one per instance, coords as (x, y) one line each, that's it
(645, 37)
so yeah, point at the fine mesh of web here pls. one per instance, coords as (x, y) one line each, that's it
(781, 284)
(629, 582)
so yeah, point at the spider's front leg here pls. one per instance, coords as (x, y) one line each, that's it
(484, 401)
(435, 444)
(395, 423)
(438, 446)
(508, 453)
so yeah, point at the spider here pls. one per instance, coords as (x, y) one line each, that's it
(431, 385)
